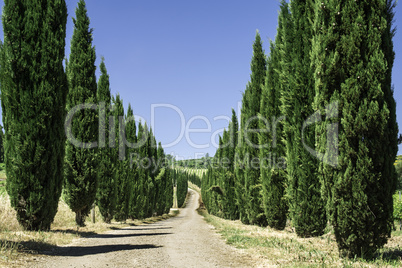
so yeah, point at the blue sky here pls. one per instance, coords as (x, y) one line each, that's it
(188, 60)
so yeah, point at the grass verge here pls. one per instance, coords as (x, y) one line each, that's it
(284, 249)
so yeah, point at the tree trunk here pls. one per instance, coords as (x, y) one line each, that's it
(79, 219)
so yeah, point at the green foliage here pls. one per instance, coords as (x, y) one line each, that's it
(398, 169)
(121, 165)
(201, 163)
(33, 98)
(397, 207)
(240, 162)
(80, 185)
(306, 206)
(252, 180)
(353, 57)
(3, 188)
(194, 179)
(181, 182)
(1, 145)
(106, 194)
(273, 174)
(218, 185)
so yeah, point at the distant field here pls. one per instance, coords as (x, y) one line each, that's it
(199, 172)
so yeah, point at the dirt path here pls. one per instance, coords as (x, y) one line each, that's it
(183, 241)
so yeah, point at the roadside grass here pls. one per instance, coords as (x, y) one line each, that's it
(18, 247)
(284, 249)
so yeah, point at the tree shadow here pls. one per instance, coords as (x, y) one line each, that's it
(389, 255)
(72, 231)
(127, 235)
(42, 248)
(139, 229)
(30, 246)
(79, 251)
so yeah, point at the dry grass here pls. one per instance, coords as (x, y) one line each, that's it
(284, 249)
(17, 246)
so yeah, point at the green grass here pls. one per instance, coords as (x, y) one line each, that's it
(284, 249)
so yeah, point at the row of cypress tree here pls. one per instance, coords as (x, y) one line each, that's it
(318, 134)
(38, 95)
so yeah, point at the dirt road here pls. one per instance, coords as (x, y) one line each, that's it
(183, 241)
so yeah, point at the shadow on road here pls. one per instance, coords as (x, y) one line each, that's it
(139, 229)
(72, 231)
(78, 251)
(126, 235)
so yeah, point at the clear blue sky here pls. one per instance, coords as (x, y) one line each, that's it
(192, 55)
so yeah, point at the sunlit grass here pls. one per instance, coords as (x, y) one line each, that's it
(284, 249)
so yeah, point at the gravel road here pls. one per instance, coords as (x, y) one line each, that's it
(183, 241)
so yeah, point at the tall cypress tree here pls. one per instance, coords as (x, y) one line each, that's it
(33, 96)
(1, 145)
(152, 172)
(230, 179)
(353, 58)
(142, 175)
(273, 174)
(81, 165)
(160, 181)
(240, 162)
(254, 210)
(121, 171)
(168, 193)
(306, 206)
(131, 136)
(106, 194)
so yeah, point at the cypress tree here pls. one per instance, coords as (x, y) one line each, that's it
(240, 163)
(229, 144)
(81, 164)
(255, 213)
(182, 187)
(233, 139)
(168, 193)
(1, 145)
(353, 58)
(273, 174)
(131, 136)
(160, 181)
(33, 96)
(306, 206)
(142, 175)
(106, 194)
(121, 171)
(152, 172)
